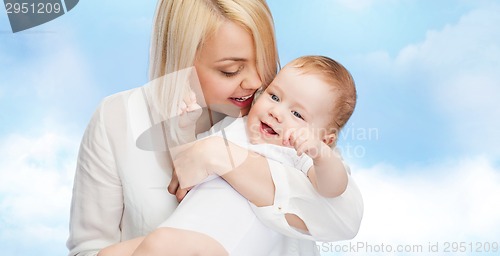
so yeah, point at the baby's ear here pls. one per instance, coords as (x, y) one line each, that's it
(330, 139)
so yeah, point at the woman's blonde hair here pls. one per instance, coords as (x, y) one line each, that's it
(182, 26)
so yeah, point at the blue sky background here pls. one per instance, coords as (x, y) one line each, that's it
(422, 143)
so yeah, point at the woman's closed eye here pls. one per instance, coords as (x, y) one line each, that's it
(232, 73)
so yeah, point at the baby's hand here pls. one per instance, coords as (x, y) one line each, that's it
(304, 140)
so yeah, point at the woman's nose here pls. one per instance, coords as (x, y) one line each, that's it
(251, 81)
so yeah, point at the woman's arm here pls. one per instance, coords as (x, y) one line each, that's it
(97, 202)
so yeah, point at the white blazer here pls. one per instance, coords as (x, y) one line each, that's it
(120, 187)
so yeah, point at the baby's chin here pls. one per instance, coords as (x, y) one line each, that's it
(254, 140)
(258, 140)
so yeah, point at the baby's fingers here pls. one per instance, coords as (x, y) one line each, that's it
(191, 99)
(182, 108)
(193, 107)
(301, 146)
(288, 137)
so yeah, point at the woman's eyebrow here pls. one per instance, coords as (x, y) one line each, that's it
(231, 59)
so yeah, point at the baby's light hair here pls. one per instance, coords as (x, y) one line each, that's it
(336, 75)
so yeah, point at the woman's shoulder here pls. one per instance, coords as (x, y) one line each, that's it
(120, 96)
(119, 107)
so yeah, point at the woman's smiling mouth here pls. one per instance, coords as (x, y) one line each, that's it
(242, 102)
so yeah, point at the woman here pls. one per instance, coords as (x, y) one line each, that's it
(119, 190)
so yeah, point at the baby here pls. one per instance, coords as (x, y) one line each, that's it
(296, 121)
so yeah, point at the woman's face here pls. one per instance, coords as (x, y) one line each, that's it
(226, 68)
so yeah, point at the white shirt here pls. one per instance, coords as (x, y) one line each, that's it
(120, 189)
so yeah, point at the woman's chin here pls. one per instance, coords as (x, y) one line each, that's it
(230, 110)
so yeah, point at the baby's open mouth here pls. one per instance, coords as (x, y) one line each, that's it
(267, 129)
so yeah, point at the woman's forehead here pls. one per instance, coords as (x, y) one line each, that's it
(229, 42)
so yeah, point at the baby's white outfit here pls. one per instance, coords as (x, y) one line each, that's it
(214, 208)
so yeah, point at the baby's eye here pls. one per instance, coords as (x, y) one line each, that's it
(297, 114)
(274, 97)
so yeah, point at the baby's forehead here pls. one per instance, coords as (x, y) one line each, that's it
(287, 70)
(300, 85)
(305, 76)
(310, 73)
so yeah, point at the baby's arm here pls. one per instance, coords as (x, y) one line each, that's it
(327, 175)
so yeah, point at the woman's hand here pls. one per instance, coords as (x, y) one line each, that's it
(191, 164)
(214, 155)
(174, 189)
(195, 161)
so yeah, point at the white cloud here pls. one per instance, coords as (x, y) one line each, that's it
(457, 69)
(50, 75)
(37, 161)
(36, 174)
(49, 82)
(462, 62)
(453, 201)
(471, 43)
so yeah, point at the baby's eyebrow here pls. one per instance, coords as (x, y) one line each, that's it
(302, 108)
(275, 86)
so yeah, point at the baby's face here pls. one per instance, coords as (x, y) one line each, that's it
(292, 100)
